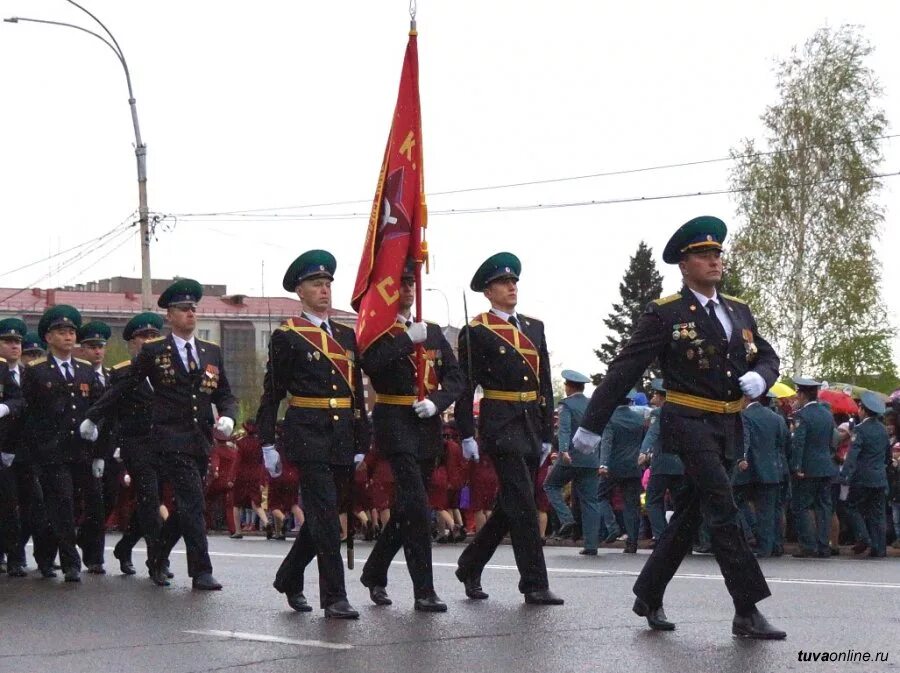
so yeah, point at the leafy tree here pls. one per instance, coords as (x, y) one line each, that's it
(640, 285)
(811, 220)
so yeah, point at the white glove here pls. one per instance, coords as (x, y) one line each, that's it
(117, 455)
(585, 441)
(752, 385)
(7, 459)
(88, 430)
(470, 449)
(417, 332)
(425, 408)
(225, 425)
(358, 458)
(126, 479)
(97, 467)
(272, 460)
(4, 410)
(546, 447)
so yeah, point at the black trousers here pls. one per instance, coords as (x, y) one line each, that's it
(408, 528)
(514, 513)
(10, 529)
(61, 483)
(145, 520)
(33, 520)
(111, 485)
(707, 495)
(320, 536)
(185, 472)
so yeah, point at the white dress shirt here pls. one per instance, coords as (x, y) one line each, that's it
(98, 370)
(721, 311)
(182, 351)
(506, 316)
(318, 322)
(62, 370)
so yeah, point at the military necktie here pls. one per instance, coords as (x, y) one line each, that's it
(720, 329)
(325, 328)
(191, 362)
(100, 380)
(68, 373)
(514, 321)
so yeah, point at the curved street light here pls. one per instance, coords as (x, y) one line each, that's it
(140, 150)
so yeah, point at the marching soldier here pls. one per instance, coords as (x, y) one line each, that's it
(33, 347)
(11, 407)
(812, 469)
(58, 390)
(187, 376)
(509, 359)
(408, 432)
(865, 470)
(711, 355)
(758, 475)
(92, 338)
(312, 359)
(666, 468)
(578, 468)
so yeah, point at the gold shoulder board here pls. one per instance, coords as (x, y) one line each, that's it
(122, 364)
(39, 361)
(154, 340)
(84, 362)
(207, 341)
(667, 300)
(734, 299)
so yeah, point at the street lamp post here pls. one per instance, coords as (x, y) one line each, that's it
(446, 302)
(140, 150)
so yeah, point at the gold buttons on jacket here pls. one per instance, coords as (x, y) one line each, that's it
(336, 417)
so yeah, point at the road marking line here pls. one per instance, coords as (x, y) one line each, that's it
(263, 638)
(591, 571)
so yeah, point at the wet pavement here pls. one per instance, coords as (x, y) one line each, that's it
(117, 623)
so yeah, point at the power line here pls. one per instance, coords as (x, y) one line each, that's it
(603, 174)
(315, 217)
(72, 249)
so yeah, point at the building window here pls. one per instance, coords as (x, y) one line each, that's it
(264, 337)
(203, 334)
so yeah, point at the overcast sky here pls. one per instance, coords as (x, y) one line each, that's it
(248, 106)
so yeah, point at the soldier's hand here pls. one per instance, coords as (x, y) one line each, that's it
(97, 467)
(752, 385)
(417, 332)
(4, 410)
(88, 430)
(799, 475)
(470, 449)
(126, 479)
(743, 465)
(225, 425)
(546, 448)
(117, 455)
(643, 459)
(565, 458)
(7, 459)
(425, 408)
(585, 441)
(602, 471)
(271, 460)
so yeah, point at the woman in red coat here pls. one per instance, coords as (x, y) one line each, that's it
(252, 480)
(484, 486)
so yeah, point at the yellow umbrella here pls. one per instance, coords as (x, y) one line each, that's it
(780, 390)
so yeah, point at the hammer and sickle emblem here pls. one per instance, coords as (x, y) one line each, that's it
(382, 288)
(386, 218)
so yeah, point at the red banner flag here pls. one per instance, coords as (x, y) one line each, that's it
(398, 215)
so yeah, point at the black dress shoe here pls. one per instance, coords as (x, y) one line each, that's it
(430, 604)
(860, 547)
(543, 597)
(612, 537)
(804, 553)
(158, 577)
(835, 551)
(703, 549)
(341, 610)
(96, 569)
(298, 602)
(125, 564)
(630, 548)
(379, 595)
(565, 531)
(778, 551)
(472, 585)
(237, 536)
(755, 626)
(47, 572)
(72, 575)
(270, 530)
(205, 582)
(17, 571)
(588, 552)
(656, 617)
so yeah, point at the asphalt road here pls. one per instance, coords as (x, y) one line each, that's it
(117, 623)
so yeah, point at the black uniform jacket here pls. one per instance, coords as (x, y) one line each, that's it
(55, 409)
(131, 422)
(11, 396)
(390, 363)
(677, 332)
(305, 362)
(498, 363)
(181, 411)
